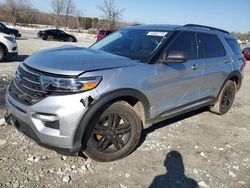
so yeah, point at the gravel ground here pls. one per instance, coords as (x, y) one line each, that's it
(198, 149)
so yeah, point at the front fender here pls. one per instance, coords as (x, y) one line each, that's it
(97, 104)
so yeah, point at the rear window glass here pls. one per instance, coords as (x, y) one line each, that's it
(234, 46)
(211, 46)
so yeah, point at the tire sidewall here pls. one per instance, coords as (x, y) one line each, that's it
(2, 54)
(229, 85)
(136, 127)
(50, 38)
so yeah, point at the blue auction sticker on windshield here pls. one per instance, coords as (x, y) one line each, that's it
(157, 33)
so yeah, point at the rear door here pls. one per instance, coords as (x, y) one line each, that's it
(217, 64)
(179, 83)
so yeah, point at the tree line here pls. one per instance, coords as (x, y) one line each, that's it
(65, 14)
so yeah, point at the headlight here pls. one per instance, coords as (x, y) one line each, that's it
(11, 39)
(69, 85)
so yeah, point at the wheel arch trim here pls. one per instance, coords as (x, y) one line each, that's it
(97, 104)
(4, 48)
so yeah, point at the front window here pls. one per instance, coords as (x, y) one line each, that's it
(135, 44)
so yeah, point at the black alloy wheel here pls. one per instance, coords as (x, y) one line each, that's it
(225, 99)
(113, 133)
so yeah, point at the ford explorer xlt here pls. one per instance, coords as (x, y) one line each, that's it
(97, 100)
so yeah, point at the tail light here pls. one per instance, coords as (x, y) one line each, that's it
(244, 60)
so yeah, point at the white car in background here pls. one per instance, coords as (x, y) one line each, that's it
(8, 46)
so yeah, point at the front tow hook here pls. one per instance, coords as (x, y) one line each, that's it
(8, 118)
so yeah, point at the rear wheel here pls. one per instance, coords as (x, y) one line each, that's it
(226, 98)
(70, 39)
(50, 38)
(114, 134)
(2, 54)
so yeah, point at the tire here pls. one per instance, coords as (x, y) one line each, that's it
(225, 99)
(2, 54)
(70, 39)
(113, 134)
(50, 38)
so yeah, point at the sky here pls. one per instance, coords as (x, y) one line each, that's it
(231, 15)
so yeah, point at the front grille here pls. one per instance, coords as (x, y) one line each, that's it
(26, 86)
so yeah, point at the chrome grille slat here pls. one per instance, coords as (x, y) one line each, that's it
(30, 76)
(23, 91)
(27, 79)
(26, 86)
(27, 70)
(31, 81)
(34, 90)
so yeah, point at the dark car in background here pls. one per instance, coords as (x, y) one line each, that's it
(56, 34)
(246, 52)
(9, 31)
(103, 33)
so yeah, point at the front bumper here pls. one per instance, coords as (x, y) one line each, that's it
(69, 111)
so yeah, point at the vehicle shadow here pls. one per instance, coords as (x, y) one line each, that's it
(18, 58)
(168, 122)
(175, 176)
(22, 38)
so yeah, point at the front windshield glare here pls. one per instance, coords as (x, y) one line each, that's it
(134, 44)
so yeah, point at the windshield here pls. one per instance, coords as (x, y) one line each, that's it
(134, 44)
(2, 25)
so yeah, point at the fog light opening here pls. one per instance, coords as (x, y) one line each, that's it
(45, 117)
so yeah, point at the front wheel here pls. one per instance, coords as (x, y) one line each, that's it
(226, 98)
(114, 134)
(2, 54)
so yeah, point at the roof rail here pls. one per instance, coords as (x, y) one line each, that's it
(206, 27)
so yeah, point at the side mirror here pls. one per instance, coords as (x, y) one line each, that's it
(175, 57)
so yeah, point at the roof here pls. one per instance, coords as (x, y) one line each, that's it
(193, 27)
(158, 27)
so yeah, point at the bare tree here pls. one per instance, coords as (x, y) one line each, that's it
(69, 10)
(111, 13)
(25, 11)
(78, 15)
(58, 8)
(13, 7)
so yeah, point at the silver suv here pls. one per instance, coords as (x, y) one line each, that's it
(97, 100)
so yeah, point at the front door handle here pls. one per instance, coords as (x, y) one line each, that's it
(195, 66)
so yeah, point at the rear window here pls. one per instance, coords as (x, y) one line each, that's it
(234, 45)
(211, 46)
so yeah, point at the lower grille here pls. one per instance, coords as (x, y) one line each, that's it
(26, 87)
(25, 129)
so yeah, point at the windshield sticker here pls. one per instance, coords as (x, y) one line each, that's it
(157, 33)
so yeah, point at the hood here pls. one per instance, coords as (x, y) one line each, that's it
(72, 60)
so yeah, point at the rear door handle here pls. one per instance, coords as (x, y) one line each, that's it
(195, 66)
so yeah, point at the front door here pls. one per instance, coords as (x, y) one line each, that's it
(179, 84)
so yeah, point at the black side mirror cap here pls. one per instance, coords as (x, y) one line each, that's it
(176, 57)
